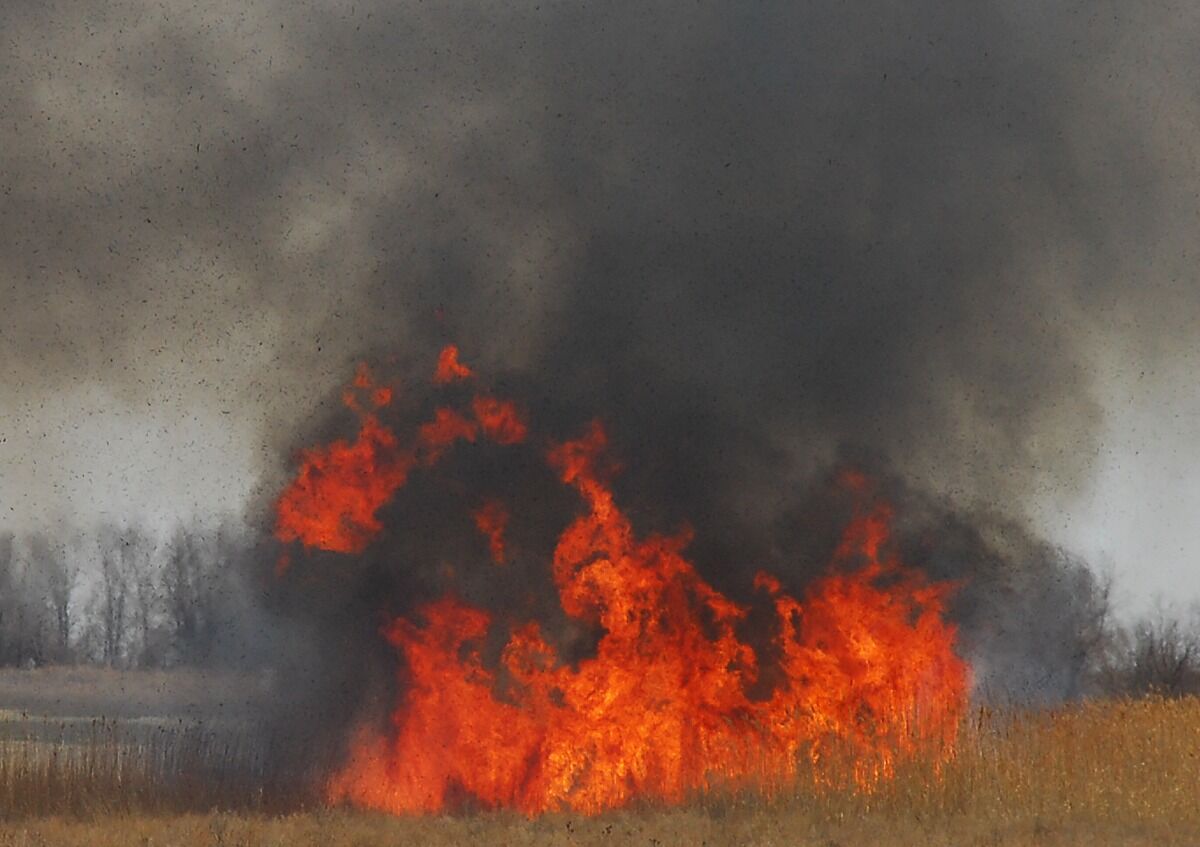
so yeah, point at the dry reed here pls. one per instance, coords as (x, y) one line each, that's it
(1116, 772)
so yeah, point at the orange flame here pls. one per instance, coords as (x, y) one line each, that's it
(333, 501)
(500, 420)
(440, 433)
(674, 700)
(449, 368)
(331, 504)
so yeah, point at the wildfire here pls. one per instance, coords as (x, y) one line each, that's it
(491, 519)
(674, 699)
(331, 504)
(449, 368)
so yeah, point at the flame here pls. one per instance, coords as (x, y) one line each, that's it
(440, 433)
(491, 519)
(449, 368)
(332, 502)
(675, 699)
(499, 420)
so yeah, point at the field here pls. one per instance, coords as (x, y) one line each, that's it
(1121, 772)
(72, 691)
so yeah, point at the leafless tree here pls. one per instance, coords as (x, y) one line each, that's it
(57, 576)
(181, 580)
(145, 577)
(26, 631)
(8, 599)
(1157, 654)
(112, 606)
(120, 600)
(200, 567)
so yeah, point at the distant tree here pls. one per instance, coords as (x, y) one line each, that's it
(1157, 654)
(185, 577)
(8, 600)
(147, 647)
(56, 574)
(26, 632)
(113, 604)
(202, 598)
(118, 599)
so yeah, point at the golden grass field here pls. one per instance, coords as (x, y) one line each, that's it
(1114, 772)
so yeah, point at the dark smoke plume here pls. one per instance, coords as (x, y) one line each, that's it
(758, 239)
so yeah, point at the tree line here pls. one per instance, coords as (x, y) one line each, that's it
(122, 598)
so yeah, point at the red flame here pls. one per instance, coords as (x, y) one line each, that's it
(440, 433)
(491, 519)
(331, 504)
(674, 700)
(333, 501)
(449, 368)
(500, 420)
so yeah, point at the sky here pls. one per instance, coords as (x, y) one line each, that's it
(1136, 518)
(961, 238)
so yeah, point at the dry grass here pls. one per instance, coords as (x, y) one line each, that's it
(96, 767)
(1103, 773)
(690, 827)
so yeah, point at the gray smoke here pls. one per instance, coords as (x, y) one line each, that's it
(755, 238)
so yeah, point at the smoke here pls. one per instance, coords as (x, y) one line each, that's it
(757, 239)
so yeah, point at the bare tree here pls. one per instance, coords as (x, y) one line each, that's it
(57, 575)
(1166, 657)
(1157, 654)
(147, 648)
(118, 601)
(25, 629)
(197, 580)
(118, 547)
(183, 580)
(8, 600)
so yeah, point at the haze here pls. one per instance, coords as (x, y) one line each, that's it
(972, 252)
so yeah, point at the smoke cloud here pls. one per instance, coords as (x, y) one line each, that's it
(759, 240)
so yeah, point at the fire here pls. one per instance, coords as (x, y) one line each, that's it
(331, 504)
(449, 368)
(491, 519)
(675, 699)
(499, 419)
(333, 501)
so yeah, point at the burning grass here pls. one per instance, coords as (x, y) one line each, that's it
(686, 689)
(1101, 773)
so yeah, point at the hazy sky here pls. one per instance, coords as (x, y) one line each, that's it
(961, 236)
(1137, 516)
